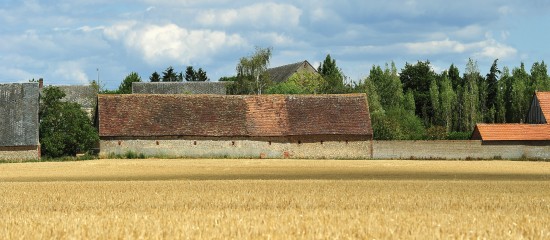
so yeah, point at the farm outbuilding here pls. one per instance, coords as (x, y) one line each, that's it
(19, 125)
(252, 126)
(219, 88)
(536, 130)
(283, 73)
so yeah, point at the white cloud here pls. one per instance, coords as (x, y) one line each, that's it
(435, 47)
(492, 49)
(71, 73)
(165, 43)
(257, 15)
(488, 48)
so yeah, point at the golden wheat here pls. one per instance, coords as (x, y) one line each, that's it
(274, 199)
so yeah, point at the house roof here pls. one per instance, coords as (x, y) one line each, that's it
(544, 102)
(511, 132)
(179, 87)
(146, 115)
(282, 73)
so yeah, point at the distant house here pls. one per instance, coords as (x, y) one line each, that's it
(84, 95)
(536, 130)
(179, 88)
(283, 73)
(19, 125)
(252, 126)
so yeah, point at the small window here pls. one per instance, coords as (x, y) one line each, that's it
(270, 143)
(299, 142)
(232, 143)
(157, 142)
(119, 143)
(194, 142)
(321, 142)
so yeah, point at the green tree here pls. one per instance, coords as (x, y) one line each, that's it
(520, 94)
(334, 78)
(251, 72)
(169, 75)
(155, 77)
(201, 75)
(190, 74)
(470, 96)
(492, 92)
(418, 78)
(388, 85)
(454, 76)
(448, 101)
(409, 104)
(65, 128)
(286, 87)
(434, 97)
(125, 86)
(539, 77)
(303, 82)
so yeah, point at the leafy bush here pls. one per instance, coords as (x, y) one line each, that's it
(65, 128)
(397, 124)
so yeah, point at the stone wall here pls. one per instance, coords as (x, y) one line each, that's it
(466, 149)
(19, 154)
(238, 148)
(250, 148)
(218, 88)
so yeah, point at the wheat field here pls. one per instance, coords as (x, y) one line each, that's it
(275, 199)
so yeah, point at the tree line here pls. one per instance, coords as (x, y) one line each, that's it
(413, 103)
(416, 102)
(168, 75)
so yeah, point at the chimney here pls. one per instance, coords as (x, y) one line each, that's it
(40, 83)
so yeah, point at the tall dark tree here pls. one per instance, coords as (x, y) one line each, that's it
(169, 75)
(492, 92)
(334, 78)
(454, 76)
(201, 76)
(155, 77)
(417, 78)
(190, 74)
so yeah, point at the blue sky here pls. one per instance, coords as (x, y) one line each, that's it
(66, 41)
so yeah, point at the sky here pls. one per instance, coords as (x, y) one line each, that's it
(72, 42)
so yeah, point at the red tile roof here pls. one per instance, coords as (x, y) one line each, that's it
(544, 101)
(511, 132)
(141, 115)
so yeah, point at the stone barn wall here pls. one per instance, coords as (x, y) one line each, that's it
(238, 148)
(19, 104)
(218, 88)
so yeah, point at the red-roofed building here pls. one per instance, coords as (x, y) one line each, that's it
(539, 112)
(271, 126)
(536, 128)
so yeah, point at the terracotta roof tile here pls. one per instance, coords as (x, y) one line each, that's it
(544, 101)
(136, 115)
(511, 132)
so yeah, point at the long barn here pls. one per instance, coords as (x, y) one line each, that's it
(213, 126)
